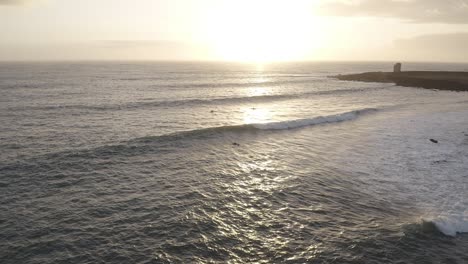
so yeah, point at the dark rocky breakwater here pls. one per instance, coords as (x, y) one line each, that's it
(441, 80)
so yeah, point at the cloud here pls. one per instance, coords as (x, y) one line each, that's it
(12, 2)
(436, 47)
(142, 44)
(416, 11)
(105, 50)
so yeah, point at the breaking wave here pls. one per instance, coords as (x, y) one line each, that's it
(291, 124)
(451, 225)
(313, 121)
(272, 126)
(139, 145)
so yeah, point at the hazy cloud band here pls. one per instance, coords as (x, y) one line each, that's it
(416, 11)
(12, 2)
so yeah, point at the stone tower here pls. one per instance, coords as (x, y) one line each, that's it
(397, 67)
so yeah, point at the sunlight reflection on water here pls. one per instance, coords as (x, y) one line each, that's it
(253, 115)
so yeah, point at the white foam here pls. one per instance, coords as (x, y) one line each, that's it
(290, 124)
(451, 225)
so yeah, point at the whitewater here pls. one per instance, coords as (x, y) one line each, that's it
(152, 162)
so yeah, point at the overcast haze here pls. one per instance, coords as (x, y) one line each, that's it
(412, 30)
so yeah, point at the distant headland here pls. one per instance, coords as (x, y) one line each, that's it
(441, 80)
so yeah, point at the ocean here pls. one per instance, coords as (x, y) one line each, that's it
(165, 162)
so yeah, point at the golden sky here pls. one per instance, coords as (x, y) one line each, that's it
(234, 30)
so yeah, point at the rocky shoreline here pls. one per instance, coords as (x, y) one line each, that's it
(441, 80)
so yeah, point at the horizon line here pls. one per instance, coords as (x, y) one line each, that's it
(225, 61)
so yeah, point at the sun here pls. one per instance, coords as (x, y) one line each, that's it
(261, 30)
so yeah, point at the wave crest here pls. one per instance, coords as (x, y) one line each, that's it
(451, 225)
(138, 146)
(281, 125)
(289, 124)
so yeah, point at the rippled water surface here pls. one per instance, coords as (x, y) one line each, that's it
(229, 163)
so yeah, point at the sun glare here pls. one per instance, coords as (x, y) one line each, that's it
(254, 115)
(261, 31)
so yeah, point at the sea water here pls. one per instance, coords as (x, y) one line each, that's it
(152, 162)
